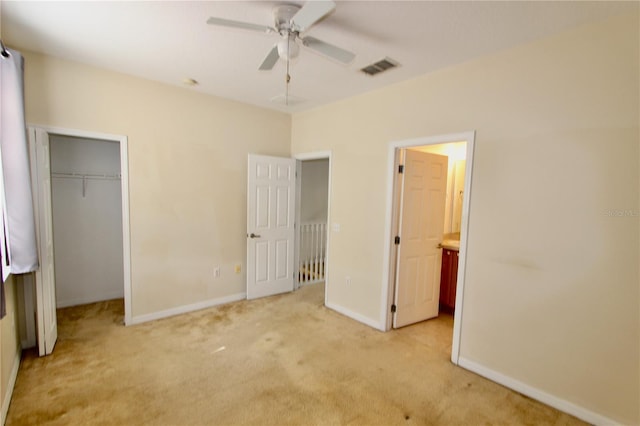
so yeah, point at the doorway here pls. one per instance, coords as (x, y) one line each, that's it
(312, 216)
(86, 198)
(312, 224)
(280, 257)
(451, 230)
(56, 174)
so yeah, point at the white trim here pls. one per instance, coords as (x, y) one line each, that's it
(126, 227)
(187, 308)
(10, 385)
(537, 394)
(124, 182)
(321, 155)
(327, 263)
(386, 298)
(396, 193)
(462, 259)
(78, 133)
(358, 317)
(298, 221)
(45, 330)
(316, 155)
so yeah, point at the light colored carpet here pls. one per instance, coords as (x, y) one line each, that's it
(283, 360)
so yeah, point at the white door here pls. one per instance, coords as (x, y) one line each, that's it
(270, 225)
(47, 323)
(423, 195)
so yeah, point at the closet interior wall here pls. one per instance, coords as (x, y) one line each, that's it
(87, 220)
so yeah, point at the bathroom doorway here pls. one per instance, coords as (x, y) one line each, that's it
(432, 218)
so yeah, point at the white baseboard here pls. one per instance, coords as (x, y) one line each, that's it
(187, 308)
(92, 299)
(546, 398)
(12, 382)
(358, 317)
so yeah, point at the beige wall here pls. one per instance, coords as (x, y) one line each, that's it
(187, 171)
(9, 339)
(552, 284)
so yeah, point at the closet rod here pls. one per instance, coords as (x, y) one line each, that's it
(85, 176)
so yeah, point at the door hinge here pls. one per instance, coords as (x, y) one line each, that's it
(401, 168)
(396, 240)
(393, 309)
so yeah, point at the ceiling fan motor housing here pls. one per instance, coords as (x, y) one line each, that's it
(283, 15)
(287, 47)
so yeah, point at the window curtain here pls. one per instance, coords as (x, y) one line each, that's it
(19, 246)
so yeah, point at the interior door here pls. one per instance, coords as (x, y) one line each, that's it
(271, 197)
(47, 323)
(422, 205)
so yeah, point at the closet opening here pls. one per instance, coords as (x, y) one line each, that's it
(86, 199)
(81, 202)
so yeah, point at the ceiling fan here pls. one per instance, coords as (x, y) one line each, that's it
(290, 21)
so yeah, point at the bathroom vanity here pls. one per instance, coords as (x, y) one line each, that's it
(449, 274)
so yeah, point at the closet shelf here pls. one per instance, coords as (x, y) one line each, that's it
(85, 176)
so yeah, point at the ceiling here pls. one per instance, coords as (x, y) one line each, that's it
(169, 41)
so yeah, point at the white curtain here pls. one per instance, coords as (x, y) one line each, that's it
(20, 246)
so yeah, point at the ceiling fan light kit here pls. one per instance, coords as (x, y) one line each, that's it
(288, 48)
(290, 21)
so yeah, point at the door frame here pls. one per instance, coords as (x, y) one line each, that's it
(124, 172)
(300, 157)
(390, 252)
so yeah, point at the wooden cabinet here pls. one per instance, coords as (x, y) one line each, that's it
(448, 280)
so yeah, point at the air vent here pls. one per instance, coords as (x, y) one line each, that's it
(289, 101)
(380, 66)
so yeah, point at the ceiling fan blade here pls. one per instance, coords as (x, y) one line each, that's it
(271, 59)
(329, 50)
(311, 12)
(238, 24)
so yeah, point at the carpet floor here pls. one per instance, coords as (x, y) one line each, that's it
(282, 360)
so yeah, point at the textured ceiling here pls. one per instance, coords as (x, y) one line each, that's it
(170, 41)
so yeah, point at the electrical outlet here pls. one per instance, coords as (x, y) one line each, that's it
(347, 280)
(216, 272)
(238, 268)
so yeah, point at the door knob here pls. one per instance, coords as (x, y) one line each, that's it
(254, 235)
